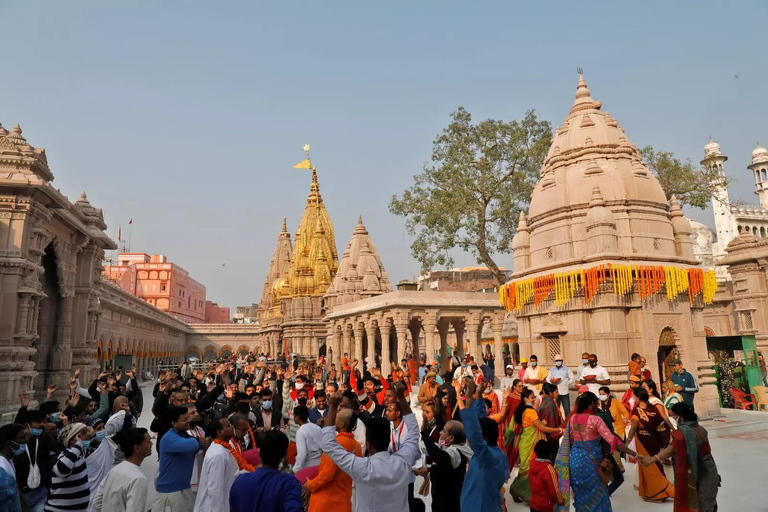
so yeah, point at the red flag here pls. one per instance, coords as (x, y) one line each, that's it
(130, 221)
(119, 233)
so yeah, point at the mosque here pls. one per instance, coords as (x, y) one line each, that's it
(731, 219)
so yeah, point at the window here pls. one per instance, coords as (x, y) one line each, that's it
(553, 347)
(154, 287)
(163, 287)
(179, 303)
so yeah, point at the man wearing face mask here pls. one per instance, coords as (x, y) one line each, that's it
(33, 472)
(266, 417)
(594, 376)
(449, 465)
(534, 375)
(463, 370)
(12, 444)
(583, 366)
(562, 377)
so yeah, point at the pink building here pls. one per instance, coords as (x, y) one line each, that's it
(214, 314)
(165, 285)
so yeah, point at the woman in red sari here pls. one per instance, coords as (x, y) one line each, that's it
(550, 415)
(696, 476)
(513, 400)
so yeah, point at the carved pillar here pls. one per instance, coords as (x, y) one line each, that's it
(459, 326)
(359, 330)
(370, 331)
(443, 326)
(401, 329)
(346, 341)
(385, 328)
(497, 324)
(416, 328)
(430, 324)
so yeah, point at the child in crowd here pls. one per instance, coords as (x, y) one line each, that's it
(545, 490)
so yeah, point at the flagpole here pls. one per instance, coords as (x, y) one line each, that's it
(130, 232)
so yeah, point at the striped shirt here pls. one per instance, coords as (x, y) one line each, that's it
(69, 482)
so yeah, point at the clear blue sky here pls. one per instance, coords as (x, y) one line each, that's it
(187, 116)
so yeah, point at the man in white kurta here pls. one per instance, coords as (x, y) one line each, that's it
(125, 488)
(219, 470)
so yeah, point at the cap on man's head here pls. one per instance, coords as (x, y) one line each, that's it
(509, 366)
(559, 357)
(433, 363)
(674, 362)
(431, 374)
(524, 360)
(634, 378)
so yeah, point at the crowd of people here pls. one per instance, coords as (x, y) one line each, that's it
(249, 433)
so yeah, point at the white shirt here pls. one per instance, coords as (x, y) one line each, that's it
(462, 372)
(507, 382)
(308, 451)
(7, 466)
(600, 373)
(381, 480)
(99, 463)
(565, 375)
(532, 373)
(359, 433)
(124, 490)
(216, 478)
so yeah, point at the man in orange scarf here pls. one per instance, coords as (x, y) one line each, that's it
(331, 489)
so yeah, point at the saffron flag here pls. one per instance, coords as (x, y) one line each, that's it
(130, 221)
(304, 164)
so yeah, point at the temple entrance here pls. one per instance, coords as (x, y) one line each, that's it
(48, 320)
(667, 352)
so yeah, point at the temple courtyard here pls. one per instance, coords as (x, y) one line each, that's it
(740, 459)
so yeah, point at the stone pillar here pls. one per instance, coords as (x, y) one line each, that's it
(497, 324)
(314, 347)
(401, 329)
(385, 328)
(359, 330)
(443, 327)
(346, 342)
(430, 324)
(370, 332)
(331, 353)
(415, 329)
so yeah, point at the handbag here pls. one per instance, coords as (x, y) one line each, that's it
(33, 478)
(604, 467)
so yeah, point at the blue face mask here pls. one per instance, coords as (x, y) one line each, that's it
(221, 397)
(100, 435)
(266, 404)
(55, 417)
(585, 361)
(86, 444)
(37, 432)
(21, 449)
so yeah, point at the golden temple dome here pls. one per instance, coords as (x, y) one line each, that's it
(277, 276)
(315, 258)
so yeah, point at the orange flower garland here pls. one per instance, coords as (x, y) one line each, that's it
(647, 279)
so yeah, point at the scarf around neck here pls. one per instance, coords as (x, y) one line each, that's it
(688, 428)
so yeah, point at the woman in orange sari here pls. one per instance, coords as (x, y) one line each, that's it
(649, 427)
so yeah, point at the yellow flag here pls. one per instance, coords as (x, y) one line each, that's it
(304, 164)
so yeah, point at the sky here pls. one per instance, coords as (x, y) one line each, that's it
(187, 116)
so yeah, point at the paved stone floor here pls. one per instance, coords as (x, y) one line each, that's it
(741, 459)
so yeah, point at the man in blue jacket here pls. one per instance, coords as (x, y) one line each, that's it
(684, 382)
(489, 467)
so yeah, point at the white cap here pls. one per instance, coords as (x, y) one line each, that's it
(559, 357)
(510, 367)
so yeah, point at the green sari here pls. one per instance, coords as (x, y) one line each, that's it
(524, 443)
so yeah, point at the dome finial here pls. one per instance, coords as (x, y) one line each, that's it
(285, 225)
(581, 89)
(522, 224)
(675, 210)
(597, 197)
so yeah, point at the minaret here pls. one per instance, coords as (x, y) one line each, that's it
(759, 166)
(724, 225)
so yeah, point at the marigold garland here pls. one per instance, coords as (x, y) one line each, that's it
(647, 280)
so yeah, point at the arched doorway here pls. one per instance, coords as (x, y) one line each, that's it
(48, 320)
(667, 352)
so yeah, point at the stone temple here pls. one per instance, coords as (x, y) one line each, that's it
(603, 263)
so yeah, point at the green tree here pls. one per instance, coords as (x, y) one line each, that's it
(470, 196)
(693, 186)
